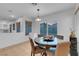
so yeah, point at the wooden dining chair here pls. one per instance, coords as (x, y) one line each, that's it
(62, 49)
(60, 37)
(36, 49)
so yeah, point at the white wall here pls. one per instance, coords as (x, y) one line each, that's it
(64, 20)
(77, 22)
(9, 39)
(77, 25)
(77, 29)
(35, 27)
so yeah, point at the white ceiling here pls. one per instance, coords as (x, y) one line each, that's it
(29, 10)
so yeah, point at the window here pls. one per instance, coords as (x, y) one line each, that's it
(51, 29)
(43, 28)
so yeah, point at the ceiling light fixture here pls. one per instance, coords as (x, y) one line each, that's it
(12, 16)
(38, 17)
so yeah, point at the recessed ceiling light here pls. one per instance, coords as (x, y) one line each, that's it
(34, 4)
(12, 16)
(9, 10)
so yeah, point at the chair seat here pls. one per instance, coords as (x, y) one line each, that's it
(38, 49)
(52, 49)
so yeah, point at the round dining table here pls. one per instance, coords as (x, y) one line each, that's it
(41, 41)
(46, 44)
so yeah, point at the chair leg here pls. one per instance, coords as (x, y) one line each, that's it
(31, 53)
(44, 53)
(41, 53)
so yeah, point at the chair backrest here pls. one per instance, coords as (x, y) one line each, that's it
(31, 42)
(62, 49)
(60, 37)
